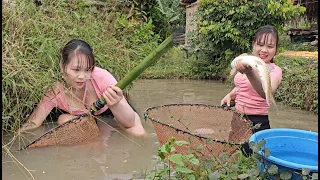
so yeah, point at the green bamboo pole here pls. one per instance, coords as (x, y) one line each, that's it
(135, 72)
(148, 61)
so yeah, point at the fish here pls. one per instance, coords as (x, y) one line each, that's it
(257, 64)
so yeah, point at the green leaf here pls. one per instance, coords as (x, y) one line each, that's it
(172, 139)
(209, 141)
(194, 161)
(256, 148)
(177, 159)
(273, 169)
(285, 175)
(233, 176)
(315, 176)
(266, 152)
(305, 171)
(184, 170)
(235, 167)
(163, 148)
(214, 176)
(200, 147)
(254, 172)
(191, 177)
(180, 143)
(243, 176)
(224, 157)
(262, 142)
(187, 156)
(251, 144)
(161, 155)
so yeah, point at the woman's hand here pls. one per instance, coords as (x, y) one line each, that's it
(229, 97)
(112, 95)
(242, 68)
(27, 127)
(226, 100)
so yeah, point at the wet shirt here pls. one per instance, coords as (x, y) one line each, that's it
(100, 79)
(247, 100)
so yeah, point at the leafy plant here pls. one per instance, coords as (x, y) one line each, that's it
(225, 29)
(173, 165)
(299, 85)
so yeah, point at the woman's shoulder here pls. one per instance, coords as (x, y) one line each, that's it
(275, 67)
(102, 74)
(55, 89)
(97, 71)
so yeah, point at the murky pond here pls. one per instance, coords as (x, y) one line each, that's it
(126, 157)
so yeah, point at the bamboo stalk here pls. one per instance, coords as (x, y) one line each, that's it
(148, 61)
(135, 72)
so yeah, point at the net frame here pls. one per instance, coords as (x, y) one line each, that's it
(212, 146)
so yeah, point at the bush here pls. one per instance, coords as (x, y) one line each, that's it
(226, 28)
(299, 85)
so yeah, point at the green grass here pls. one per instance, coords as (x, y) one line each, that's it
(33, 36)
(171, 65)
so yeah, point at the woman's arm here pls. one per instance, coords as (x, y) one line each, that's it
(34, 120)
(124, 114)
(119, 106)
(255, 80)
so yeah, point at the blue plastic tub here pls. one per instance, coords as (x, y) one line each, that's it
(290, 149)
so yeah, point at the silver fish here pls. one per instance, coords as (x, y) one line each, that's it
(257, 64)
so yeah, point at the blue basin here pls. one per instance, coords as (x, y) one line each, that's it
(290, 149)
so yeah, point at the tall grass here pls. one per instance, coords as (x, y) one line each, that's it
(32, 37)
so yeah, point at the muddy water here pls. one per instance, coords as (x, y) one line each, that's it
(125, 157)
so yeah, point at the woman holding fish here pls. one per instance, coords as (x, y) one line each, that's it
(257, 79)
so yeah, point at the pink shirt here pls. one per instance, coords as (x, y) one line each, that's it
(247, 100)
(100, 79)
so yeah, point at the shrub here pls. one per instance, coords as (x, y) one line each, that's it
(226, 28)
(299, 85)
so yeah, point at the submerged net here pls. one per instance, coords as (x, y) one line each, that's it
(217, 129)
(75, 131)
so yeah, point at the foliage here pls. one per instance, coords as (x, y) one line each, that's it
(173, 165)
(171, 65)
(176, 64)
(286, 44)
(33, 35)
(166, 13)
(299, 85)
(226, 28)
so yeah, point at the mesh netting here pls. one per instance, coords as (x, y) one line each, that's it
(76, 131)
(219, 129)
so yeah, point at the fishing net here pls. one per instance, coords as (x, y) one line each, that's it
(214, 128)
(79, 130)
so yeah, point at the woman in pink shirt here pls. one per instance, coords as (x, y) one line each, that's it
(83, 84)
(248, 94)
